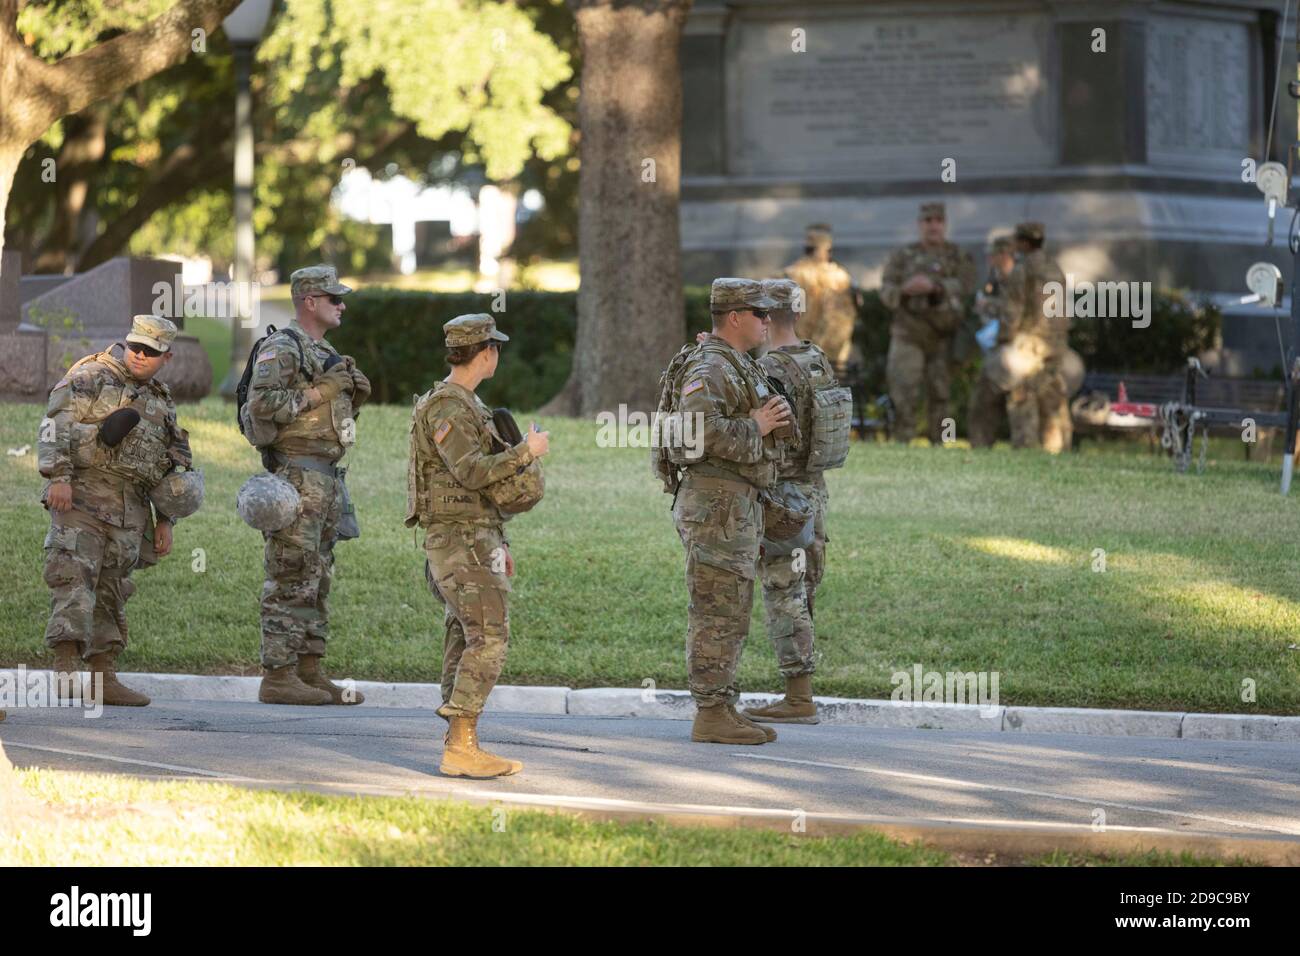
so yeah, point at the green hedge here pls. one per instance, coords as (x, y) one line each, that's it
(396, 336)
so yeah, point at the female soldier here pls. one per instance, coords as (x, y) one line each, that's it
(452, 466)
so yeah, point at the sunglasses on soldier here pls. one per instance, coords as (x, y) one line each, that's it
(144, 350)
(334, 299)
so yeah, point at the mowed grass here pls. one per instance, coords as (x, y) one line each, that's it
(947, 558)
(98, 820)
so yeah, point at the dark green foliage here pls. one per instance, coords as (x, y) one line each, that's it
(396, 336)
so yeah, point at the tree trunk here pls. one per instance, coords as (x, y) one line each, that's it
(83, 148)
(8, 167)
(630, 306)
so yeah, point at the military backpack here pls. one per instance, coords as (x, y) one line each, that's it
(260, 434)
(830, 411)
(667, 457)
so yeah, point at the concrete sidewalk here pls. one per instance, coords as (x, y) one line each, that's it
(677, 705)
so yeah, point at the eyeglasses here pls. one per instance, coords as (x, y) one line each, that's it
(761, 314)
(143, 350)
(334, 299)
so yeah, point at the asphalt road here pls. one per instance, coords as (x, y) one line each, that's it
(1238, 788)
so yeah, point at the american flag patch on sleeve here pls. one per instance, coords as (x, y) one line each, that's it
(695, 386)
(442, 432)
(265, 356)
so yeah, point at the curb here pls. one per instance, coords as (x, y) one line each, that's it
(677, 705)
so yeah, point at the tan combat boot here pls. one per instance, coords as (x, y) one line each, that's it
(280, 685)
(311, 674)
(797, 707)
(462, 756)
(721, 725)
(112, 691)
(67, 670)
(768, 732)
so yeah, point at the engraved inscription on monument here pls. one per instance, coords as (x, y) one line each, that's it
(879, 94)
(1198, 92)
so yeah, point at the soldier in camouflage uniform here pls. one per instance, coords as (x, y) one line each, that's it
(717, 509)
(790, 581)
(101, 517)
(925, 285)
(1038, 408)
(988, 400)
(307, 397)
(830, 312)
(468, 563)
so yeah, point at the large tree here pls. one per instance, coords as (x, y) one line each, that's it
(630, 306)
(333, 86)
(37, 93)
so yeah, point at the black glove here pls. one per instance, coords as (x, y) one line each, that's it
(117, 426)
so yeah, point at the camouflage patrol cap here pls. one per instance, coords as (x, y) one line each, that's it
(316, 280)
(739, 294)
(783, 291)
(268, 502)
(932, 210)
(1001, 244)
(818, 234)
(472, 329)
(153, 331)
(1030, 231)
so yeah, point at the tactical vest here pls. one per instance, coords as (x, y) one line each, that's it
(824, 409)
(327, 430)
(1054, 331)
(432, 491)
(141, 458)
(761, 474)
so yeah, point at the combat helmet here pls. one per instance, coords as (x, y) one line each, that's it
(268, 503)
(178, 495)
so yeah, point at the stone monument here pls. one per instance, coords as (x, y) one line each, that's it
(1127, 128)
(66, 317)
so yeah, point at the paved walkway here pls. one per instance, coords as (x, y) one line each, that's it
(1241, 788)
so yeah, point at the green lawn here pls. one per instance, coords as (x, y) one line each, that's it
(97, 820)
(214, 336)
(947, 558)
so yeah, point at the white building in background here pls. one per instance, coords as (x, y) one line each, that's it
(401, 202)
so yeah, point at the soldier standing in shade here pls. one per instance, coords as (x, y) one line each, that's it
(717, 510)
(789, 582)
(468, 564)
(1039, 407)
(925, 285)
(109, 438)
(988, 399)
(828, 290)
(305, 397)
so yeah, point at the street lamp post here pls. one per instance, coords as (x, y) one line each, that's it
(244, 28)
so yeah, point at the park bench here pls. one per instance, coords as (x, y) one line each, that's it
(865, 423)
(1093, 417)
